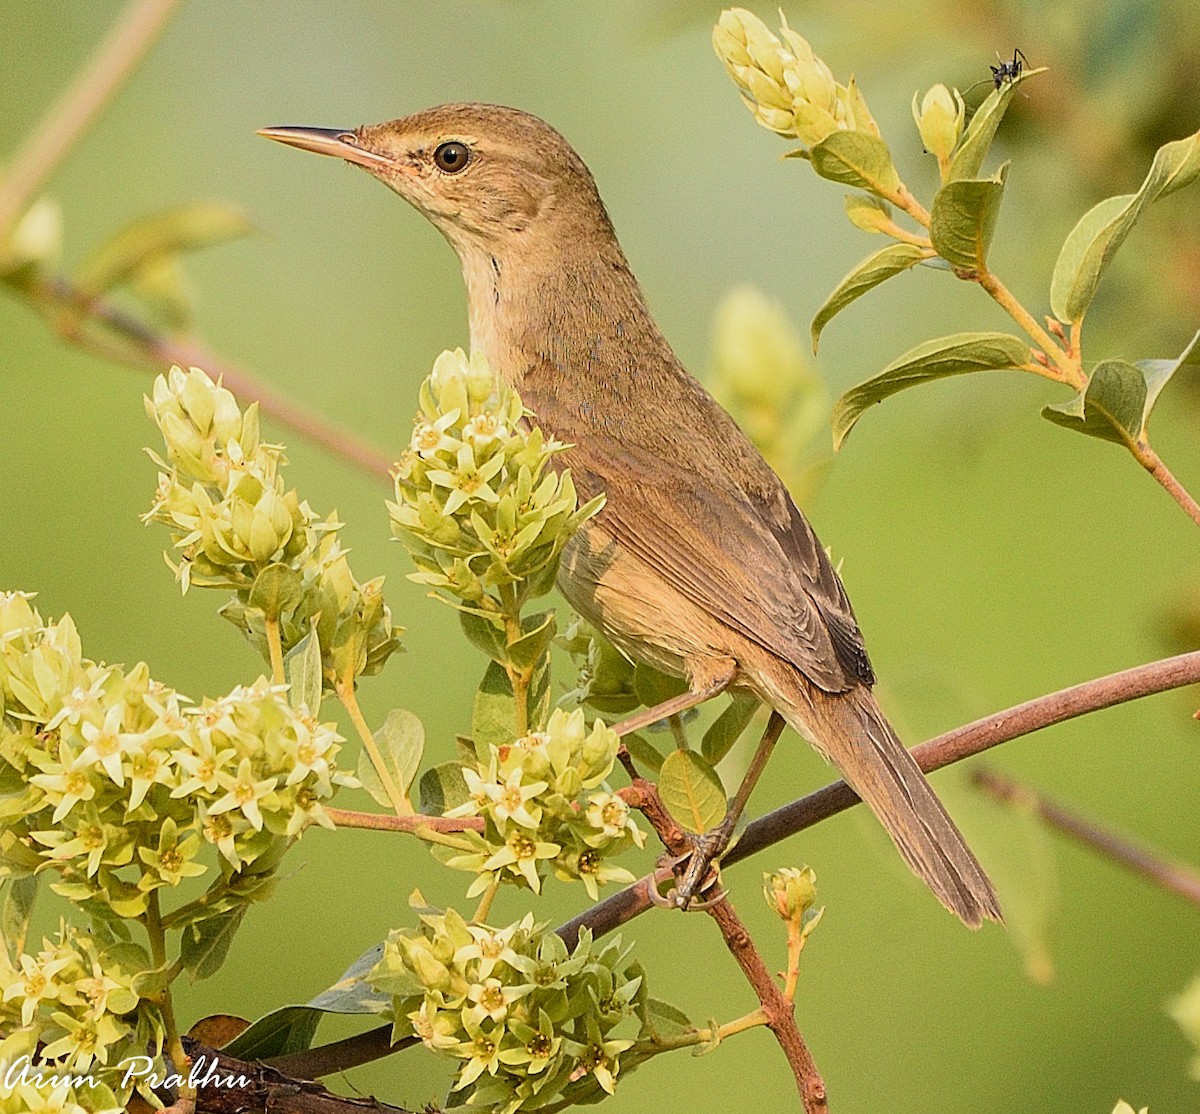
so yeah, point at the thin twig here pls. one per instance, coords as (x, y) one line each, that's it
(1154, 464)
(69, 311)
(410, 822)
(778, 1009)
(116, 57)
(1175, 877)
(1068, 370)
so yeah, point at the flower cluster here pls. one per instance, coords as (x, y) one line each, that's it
(477, 503)
(531, 794)
(531, 1022)
(72, 1010)
(112, 781)
(788, 88)
(235, 525)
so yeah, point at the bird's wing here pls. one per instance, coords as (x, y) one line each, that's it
(742, 552)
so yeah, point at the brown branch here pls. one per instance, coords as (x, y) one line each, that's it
(781, 1019)
(953, 746)
(779, 1011)
(113, 60)
(229, 1086)
(1175, 877)
(70, 310)
(1156, 466)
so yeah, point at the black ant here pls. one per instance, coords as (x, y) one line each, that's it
(1008, 71)
(1004, 72)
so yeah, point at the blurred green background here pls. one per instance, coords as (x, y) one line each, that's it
(991, 556)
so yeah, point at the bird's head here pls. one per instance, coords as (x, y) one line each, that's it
(487, 176)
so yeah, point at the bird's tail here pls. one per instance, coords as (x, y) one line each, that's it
(851, 731)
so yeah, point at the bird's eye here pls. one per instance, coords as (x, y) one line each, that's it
(452, 157)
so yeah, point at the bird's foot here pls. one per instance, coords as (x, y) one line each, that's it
(702, 877)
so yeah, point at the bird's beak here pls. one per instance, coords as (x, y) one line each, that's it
(340, 143)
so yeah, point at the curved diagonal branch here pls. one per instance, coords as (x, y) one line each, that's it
(953, 746)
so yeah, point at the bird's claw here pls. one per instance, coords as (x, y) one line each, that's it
(701, 876)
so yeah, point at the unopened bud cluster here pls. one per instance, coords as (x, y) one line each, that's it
(531, 1023)
(236, 525)
(477, 504)
(792, 893)
(788, 88)
(546, 806)
(115, 784)
(72, 1009)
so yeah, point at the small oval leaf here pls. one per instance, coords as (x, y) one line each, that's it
(1091, 244)
(691, 791)
(494, 717)
(869, 213)
(276, 590)
(935, 359)
(869, 273)
(963, 220)
(856, 159)
(1111, 407)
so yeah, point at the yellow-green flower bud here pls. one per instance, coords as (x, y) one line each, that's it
(939, 120)
(788, 88)
(790, 891)
(37, 237)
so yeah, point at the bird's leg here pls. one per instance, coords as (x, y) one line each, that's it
(704, 686)
(711, 845)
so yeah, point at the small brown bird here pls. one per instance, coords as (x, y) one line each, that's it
(700, 563)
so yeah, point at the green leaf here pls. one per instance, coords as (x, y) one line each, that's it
(16, 909)
(401, 740)
(494, 717)
(977, 139)
(1116, 403)
(661, 1021)
(151, 239)
(869, 273)
(276, 590)
(442, 788)
(539, 631)
(856, 159)
(963, 219)
(204, 944)
(1158, 374)
(302, 667)
(691, 791)
(484, 633)
(151, 983)
(935, 359)
(644, 753)
(727, 728)
(282, 1032)
(292, 1028)
(869, 213)
(654, 688)
(1092, 243)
